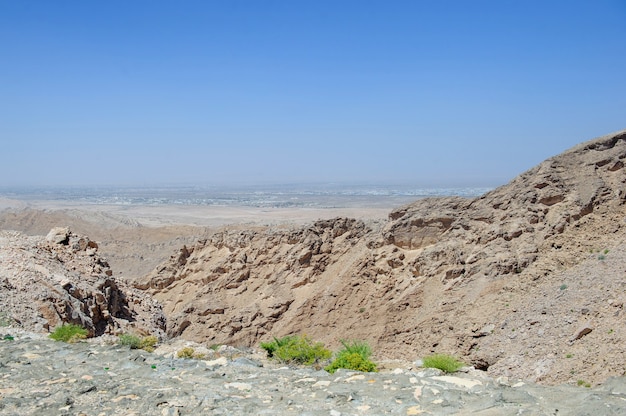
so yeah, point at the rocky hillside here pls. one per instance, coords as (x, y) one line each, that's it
(525, 281)
(45, 282)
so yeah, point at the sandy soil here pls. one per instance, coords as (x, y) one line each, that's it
(204, 216)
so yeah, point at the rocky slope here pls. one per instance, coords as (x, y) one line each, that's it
(516, 282)
(45, 282)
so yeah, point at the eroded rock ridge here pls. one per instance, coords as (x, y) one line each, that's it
(484, 278)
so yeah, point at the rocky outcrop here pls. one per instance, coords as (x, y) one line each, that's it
(62, 279)
(509, 229)
(432, 278)
(237, 284)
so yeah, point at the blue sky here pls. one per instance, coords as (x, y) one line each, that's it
(431, 93)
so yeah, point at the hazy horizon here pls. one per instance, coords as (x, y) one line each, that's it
(428, 94)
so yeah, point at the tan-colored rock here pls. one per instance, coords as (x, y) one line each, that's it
(61, 279)
(58, 235)
(449, 275)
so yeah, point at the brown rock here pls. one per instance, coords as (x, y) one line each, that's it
(583, 330)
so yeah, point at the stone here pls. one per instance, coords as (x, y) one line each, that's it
(583, 330)
(58, 235)
(51, 283)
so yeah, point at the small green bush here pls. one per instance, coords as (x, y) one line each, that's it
(186, 353)
(189, 353)
(583, 383)
(297, 349)
(148, 343)
(443, 362)
(134, 342)
(129, 340)
(272, 346)
(69, 333)
(353, 356)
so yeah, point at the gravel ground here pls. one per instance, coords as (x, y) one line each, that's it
(42, 377)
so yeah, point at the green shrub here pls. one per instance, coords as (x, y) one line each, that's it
(134, 342)
(445, 363)
(189, 353)
(353, 356)
(297, 349)
(351, 361)
(277, 343)
(129, 340)
(69, 333)
(148, 343)
(186, 353)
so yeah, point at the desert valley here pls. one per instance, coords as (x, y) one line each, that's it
(525, 283)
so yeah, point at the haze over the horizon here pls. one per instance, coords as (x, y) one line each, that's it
(440, 93)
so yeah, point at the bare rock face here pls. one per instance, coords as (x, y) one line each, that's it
(507, 230)
(502, 280)
(235, 286)
(61, 279)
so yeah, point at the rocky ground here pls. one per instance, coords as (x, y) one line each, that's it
(43, 377)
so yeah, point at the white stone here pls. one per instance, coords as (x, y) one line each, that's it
(222, 361)
(305, 380)
(462, 382)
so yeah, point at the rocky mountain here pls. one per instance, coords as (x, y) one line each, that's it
(45, 282)
(524, 281)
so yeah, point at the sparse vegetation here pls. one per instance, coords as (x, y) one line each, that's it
(443, 362)
(148, 343)
(601, 257)
(69, 333)
(129, 340)
(297, 349)
(189, 353)
(134, 342)
(568, 355)
(583, 383)
(353, 356)
(563, 286)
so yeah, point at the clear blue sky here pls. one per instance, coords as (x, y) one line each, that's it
(424, 92)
